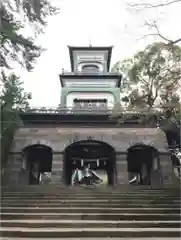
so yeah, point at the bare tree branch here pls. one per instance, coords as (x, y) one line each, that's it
(176, 41)
(158, 33)
(149, 5)
(154, 25)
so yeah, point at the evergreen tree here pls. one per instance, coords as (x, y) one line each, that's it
(22, 49)
(155, 77)
(12, 100)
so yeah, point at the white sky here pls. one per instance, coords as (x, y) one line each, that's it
(104, 22)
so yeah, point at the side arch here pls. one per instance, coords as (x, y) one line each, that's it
(35, 142)
(143, 161)
(143, 145)
(40, 145)
(36, 161)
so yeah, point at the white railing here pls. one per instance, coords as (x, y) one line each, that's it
(91, 73)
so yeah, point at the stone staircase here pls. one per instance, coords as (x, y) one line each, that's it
(131, 212)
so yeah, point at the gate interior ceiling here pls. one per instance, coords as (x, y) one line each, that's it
(89, 150)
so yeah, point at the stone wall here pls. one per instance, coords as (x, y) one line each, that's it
(122, 171)
(59, 138)
(15, 174)
(57, 168)
(12, 172)
(168, 171)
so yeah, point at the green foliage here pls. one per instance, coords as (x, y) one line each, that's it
(172, 115)
(154, 77)
(15, 15)
(16, 46)
(154, 73)
(12, 100)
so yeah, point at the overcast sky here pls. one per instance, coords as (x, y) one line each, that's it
(104, 22)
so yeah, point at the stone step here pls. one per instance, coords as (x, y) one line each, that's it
(88, 196)
(89, 232)
(88, 224)
(63, 194)
(89, 238)
(61, 212)
(103, 187)
(93, 199)
(93, 216)
(70, 201)
(93, 204)
(86, 188)
(110, 196)
(89, 210)
(61, 184)
(83, 190)
(119, 187)
(18, 194)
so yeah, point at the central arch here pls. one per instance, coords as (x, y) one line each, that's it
(97, 155)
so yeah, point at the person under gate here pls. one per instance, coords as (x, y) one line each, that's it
(87, 175)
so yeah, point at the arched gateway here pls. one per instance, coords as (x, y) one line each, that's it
(98, 155)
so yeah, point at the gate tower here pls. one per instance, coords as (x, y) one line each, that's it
(82, 127)
(90, 86)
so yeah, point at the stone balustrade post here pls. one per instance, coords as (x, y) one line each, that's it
(57, 168)
(122, 169)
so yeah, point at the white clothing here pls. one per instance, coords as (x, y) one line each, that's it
(87, 172)
(133, 180)
(79, 174)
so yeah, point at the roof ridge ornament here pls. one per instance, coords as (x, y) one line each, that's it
(90, 44)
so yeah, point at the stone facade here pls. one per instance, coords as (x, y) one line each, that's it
(122, 171)
(59, 138)
(168, 171)
(57, 168)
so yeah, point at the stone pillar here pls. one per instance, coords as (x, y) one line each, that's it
(156, 175)
(24, 171)
(12, 170)
(57, 169)
(122, 169)
(167, 170)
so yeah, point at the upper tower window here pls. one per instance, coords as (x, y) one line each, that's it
(87, 67)
(90, 68)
